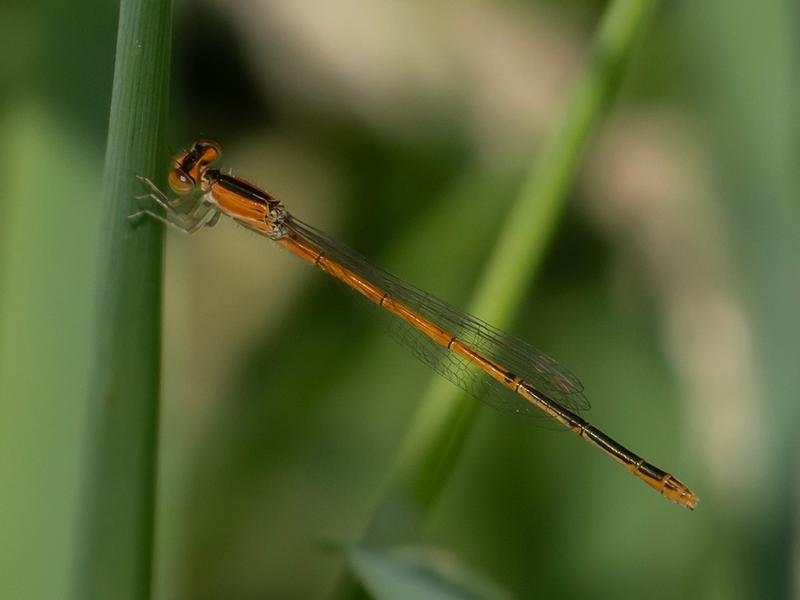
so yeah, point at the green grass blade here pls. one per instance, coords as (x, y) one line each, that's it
(117, 520)
(419, 573)
(436, 437)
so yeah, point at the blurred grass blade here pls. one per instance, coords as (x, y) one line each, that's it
(440, 428)
(422, 574)
(117, 515)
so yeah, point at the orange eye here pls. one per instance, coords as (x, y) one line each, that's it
(180, 182)
(209, 150)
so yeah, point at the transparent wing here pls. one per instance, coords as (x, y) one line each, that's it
(535, 367)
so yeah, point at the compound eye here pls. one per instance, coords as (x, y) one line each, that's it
(180, 182)
(209, 151)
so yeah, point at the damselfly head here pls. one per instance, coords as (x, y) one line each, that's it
(189, 166)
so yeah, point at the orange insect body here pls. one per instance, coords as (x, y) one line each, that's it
(214, 193)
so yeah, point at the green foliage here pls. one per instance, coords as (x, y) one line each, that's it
(397, 574)
(284, 406)
(117, 510)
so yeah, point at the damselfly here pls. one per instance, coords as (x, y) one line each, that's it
(491, 365)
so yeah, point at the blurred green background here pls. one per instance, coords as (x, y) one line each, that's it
(405, 129)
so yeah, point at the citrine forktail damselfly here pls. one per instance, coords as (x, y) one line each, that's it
(493, 366)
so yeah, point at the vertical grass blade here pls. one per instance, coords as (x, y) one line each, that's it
(437, 435)
(115, 554)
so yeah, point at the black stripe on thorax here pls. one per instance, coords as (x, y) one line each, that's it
(245, 189)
